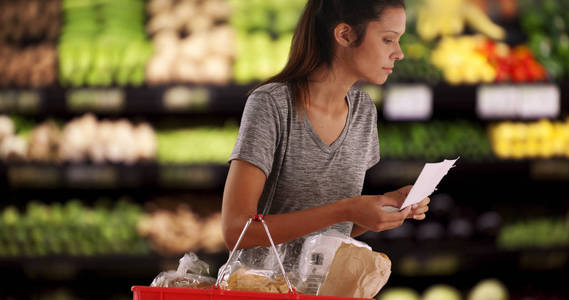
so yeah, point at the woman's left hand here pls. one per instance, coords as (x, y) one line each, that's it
(418, 210)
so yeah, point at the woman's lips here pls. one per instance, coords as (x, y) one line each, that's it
(389, 70)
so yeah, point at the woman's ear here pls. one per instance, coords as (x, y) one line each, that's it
(344, 35)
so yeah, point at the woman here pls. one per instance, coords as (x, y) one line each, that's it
(307, 136)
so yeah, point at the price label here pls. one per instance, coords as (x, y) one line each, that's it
(20, 101)
(86, 176)
(96, 100)
(8, 101)
(187, 176)
(555, 170)
(182, 98)
(31, 176)
(408, 103)
(518, 101)
(542, 101)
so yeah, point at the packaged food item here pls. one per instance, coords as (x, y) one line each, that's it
(256, 281)
(356, 272)
(317, 254)
(190, 274)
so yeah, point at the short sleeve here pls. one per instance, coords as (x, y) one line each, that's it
(258, 133)
(373, 147)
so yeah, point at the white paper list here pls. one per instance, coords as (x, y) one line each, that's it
(427, 182)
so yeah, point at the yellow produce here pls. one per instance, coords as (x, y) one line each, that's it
(542, 139)
(461, 62)
(448, 17)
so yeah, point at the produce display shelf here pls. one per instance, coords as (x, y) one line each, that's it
(225, 100)
(211, 176)
(465, 255)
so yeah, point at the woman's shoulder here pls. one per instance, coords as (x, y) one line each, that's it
(275, 95)
(276, 90)
(361, 98)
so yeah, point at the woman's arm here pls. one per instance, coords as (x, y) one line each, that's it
(243, 189)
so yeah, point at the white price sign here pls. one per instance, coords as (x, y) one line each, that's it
(183, 98)
(22, 101)
(99, 100)
(408, 102)
(518, 101)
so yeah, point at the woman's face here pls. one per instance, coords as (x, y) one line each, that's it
(375, 58)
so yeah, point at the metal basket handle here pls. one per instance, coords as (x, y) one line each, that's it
(258, 218)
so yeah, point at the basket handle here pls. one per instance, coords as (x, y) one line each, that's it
(257, 218)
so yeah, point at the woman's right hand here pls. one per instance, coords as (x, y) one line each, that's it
(366, 211)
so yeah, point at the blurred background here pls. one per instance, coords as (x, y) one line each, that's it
(117, 117)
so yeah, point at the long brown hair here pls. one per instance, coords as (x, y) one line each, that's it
(312, 43)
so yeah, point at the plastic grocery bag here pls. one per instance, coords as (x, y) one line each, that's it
(318, 252)
(190, 274)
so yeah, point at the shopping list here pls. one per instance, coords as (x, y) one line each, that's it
(427, 181)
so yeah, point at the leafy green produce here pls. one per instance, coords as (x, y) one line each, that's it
(71, 229)
(264, 34)
(434, 140)
(197, 145)
(547, 25)
(103, 42)
(540, 232)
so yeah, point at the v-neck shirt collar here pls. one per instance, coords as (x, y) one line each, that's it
(338, 142)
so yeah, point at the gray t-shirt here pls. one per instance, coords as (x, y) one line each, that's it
(302, 171)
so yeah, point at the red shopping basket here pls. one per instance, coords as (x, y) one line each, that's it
(215, 293)
(157, 293)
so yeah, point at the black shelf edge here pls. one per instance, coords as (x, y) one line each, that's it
(18, 177)
(450, 102)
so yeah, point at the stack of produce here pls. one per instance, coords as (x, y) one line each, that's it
(416, 66)
(80, 140)
(197, 145)
(540, 232)
(546, 24)
(484, 290)
(434, 140)
(475, 59)
(264, 34)
(193, 41)
(448, 17)
(107, 141)
(175, 231)
(103, 43)
(71, 229)
(12, 146)
(33, 66)
(35, 24)
(461, 62)
(543, 139)
(30, 20)
(513, 64)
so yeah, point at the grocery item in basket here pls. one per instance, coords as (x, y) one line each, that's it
(356, 272)
(317, 254)
(188, 275)
(255, 281)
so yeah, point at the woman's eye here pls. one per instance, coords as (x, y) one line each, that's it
(388, 41)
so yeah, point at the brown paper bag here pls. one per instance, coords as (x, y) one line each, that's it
(356, 272)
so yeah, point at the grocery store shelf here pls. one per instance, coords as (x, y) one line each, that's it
(445, 257)
(16, 176)
(211, 176)
(129, 101)
(448, 102)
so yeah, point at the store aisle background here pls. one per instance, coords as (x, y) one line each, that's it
(117, 117)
